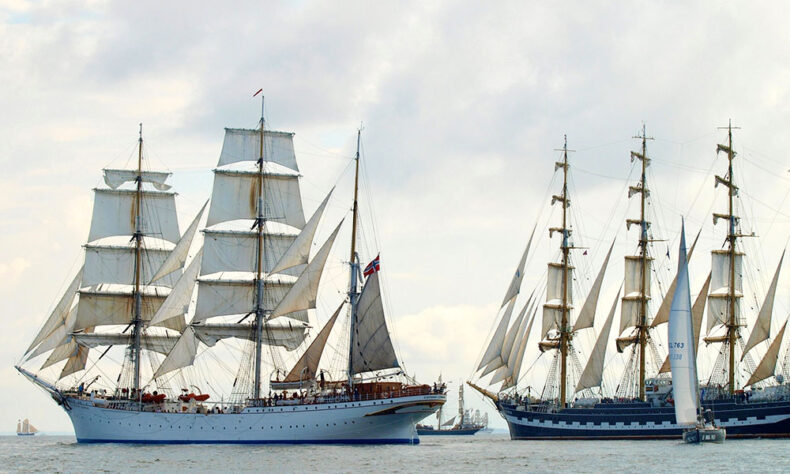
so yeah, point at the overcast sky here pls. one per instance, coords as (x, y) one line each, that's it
(462, 104)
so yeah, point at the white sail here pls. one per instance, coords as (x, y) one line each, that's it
(586, 318)
(510, 348)
(114, 178)
(762, 327)
(236, 250)
(114, 305)
(178, 257)
(304, 292)
(767, 366)
(592, 376)
(299, 251)
(76, 362)
(181, 355)
(372, 349)
(160, 344)
(235, 294)
(114, 214)
(244, 145)
(306, 368)
(682, 358)
(552, 310)
(114, 263)
(177, 302)
(449, 422)
(519, 358)
(235, 192)
(493, 351)
(632, 293)
(718, 299)
(662, 315)
(285, 332)
(507, 344)
(60, 313)
(696, 313)
(515, 283)
(58, 336)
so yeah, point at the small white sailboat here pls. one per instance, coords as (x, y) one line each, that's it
(683, 362)
(24, 428)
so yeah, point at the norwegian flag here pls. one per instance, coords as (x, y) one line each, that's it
(372, 267)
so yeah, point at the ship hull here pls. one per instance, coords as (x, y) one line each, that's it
(460, 432)
(384, 421)
(25, 434)
(641, 421)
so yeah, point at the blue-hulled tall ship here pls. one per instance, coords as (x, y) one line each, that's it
(748, 399)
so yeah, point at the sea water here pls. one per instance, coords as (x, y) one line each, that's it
(479, 453)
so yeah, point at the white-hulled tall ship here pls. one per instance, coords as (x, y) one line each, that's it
(182, 312)
(573, 403)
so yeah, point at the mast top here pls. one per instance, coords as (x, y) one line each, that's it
(643, 135)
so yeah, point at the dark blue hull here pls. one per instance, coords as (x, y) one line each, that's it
(638, 420)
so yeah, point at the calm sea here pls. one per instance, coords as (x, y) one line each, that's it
(480, 453)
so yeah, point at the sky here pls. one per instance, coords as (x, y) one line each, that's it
(463, 105)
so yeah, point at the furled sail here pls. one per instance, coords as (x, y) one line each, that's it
(719, 297)
(114, 178)
(304, 292)
(178, 257)
(632, 293)
(298, 252)
(59, 314)
(767, 366)
(592, 376)
(762, 327)
(372, 349)
(662, 315)
(493, 351)
(682, 358)
(515, 283)
(306, 368)
(586, 318)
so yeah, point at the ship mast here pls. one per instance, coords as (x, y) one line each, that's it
(353, 295)
(138, 238)
(643, 261)
(566, 333)
(732, 322)
(259, 278)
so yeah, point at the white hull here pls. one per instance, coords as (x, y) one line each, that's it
(389, 420)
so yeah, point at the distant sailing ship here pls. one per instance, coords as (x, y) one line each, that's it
(25, 428)
(467, 423)
(257, 273)
(572, 404)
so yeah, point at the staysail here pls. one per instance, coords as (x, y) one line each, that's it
(373, 348)
(592, 376)
(682, 358)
